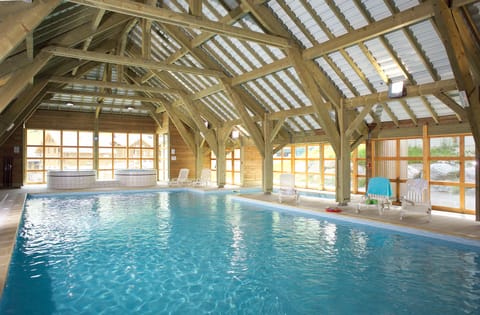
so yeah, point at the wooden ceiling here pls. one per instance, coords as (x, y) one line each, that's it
(308, 70)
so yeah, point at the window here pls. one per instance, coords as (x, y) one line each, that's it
(117, 150)
(57, 150)
(447, 162)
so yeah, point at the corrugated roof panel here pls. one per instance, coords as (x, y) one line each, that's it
(433, 48)
(293, 86)
(292, 103)
(224, 59)
(404, 50)
(440, 108)
(291, 124)
(272, 93)
(176, 5)
(342, 87)
(349, 73)
(239, 59)
(181, 79)
(328, 17)
(351, 13)
(260, 97)
(403, 5)
(214, 105)
(398, 110)
(366, 67)
(300, 122)
(312, 121)
(289, 23)
(418, 107)
(229, 107)
(384, 59)
(377, 9)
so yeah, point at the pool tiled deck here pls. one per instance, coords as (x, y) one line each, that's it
(12, 201)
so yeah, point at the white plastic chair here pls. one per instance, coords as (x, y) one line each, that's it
(204, 179)
(378, 195)
(182, 178)
(287, 188)
(416, 198)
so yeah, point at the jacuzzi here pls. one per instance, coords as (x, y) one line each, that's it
(136, 177)
(71, 179)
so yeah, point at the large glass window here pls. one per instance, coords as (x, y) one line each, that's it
(447, 162)
(57, 150)
(119, 150)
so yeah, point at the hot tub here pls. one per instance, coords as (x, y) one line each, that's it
(136, 177)
(71, 179)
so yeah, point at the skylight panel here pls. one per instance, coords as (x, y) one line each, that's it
(250, 23)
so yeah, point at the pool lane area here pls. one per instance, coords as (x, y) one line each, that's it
(456, 226)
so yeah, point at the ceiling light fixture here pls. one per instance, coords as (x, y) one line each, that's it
(396, 89)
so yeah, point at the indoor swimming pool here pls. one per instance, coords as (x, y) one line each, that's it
(184, 252)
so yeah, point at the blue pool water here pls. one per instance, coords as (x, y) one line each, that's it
(181, 252)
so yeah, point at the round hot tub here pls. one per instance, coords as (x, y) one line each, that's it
(71, 179)
(136, 177)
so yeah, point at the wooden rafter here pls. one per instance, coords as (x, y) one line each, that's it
(184, 20)
(137, 62)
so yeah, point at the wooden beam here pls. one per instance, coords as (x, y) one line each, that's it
(106, 95)
(312, 91)
(248, 122)
(447, 100)
(397, 21)
(18, 82)
(24, 104)
(184, 20)
(113, 85)
(273, 67)
(454, 46)
(411, 91)
(14, 28)
(137, 62)
(195, 7)
(200, 124)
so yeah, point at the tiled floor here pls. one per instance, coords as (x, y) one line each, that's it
(11, 206)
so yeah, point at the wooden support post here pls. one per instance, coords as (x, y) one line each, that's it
(343, 178)
(268, 157)
(221, 164)
(199, 141)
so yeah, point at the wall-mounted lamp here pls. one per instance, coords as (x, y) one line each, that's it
(396, 89)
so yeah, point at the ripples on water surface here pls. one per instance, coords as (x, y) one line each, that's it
(188, 253)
